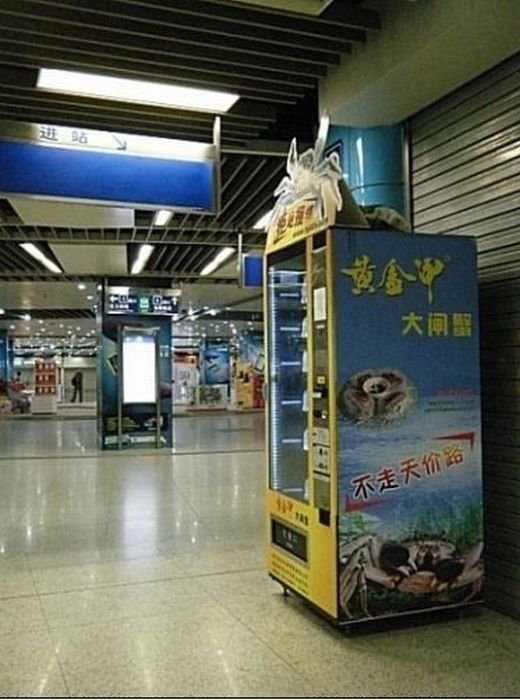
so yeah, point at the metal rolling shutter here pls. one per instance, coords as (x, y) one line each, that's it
(465, 177)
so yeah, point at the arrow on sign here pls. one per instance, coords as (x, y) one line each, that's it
(121, 143)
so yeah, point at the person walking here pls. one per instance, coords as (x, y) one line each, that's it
(77, 384)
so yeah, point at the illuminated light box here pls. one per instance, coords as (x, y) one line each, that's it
(139, 367)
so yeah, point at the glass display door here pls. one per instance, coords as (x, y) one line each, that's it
(287, 328)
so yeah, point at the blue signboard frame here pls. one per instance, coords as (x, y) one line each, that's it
(111, 177)
(252, 271)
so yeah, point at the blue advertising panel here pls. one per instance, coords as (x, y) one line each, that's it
(4, 364)
(215, 364)
(409, 437)
(139, 419)
(106, 177)
(251, 350)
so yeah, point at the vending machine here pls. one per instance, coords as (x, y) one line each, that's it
(374, 493)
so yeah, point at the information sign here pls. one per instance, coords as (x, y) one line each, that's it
(140, 302)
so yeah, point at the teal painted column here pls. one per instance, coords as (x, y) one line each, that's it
(372, 163)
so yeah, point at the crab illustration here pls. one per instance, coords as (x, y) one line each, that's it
(305, 176)
(420, 566)
(376, 397)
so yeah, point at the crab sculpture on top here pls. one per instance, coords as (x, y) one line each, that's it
(306, 175)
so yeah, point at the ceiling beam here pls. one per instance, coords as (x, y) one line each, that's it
(249, 16)
(78, 115)
(253, 169)
(347, 14)
(251, 82)
(288, 29)
(171, 131)
(225, 237)
(259, 86)
(67, 36)
(246, 116)
(93, 29)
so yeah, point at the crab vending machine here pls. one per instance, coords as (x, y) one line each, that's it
(374, 494)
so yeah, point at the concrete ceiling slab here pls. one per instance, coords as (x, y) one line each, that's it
(91, 259)
(427, 49)
(45, 295)
(44, 212)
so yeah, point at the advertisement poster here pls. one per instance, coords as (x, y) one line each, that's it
(215, 364)
(139, 419)
(4, 378)
(251, 350)
(249, 370)
(408, 408)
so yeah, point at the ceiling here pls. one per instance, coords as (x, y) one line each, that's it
(272, 52)
(272, 58)
(275, 54)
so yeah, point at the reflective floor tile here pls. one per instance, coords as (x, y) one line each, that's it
(120, 602)
(488, 678)
(15, 577)
(499, 631)
(89, 555)
(29, 667)
(148, 573)
(73, 537)
(21, 615)
(59, 579)
(212, 654)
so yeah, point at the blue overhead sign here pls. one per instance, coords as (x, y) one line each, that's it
(106, 168)
(252, 271)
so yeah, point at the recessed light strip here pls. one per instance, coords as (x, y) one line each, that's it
(142, 258)
(37, 254)
(128, 90)
(219, 258)
(263, 221)
(162, 217)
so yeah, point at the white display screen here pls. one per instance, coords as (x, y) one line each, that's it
(139, 374)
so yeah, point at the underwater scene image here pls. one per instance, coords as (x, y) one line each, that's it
(410, 511)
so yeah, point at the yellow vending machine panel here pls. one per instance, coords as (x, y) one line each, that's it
(301, 499)
(374, 493)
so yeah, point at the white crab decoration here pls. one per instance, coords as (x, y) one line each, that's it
(306, 174)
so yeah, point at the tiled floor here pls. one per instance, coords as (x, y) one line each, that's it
(142, 575)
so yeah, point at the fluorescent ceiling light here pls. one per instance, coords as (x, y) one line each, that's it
(162, 217)
(219, 258)
(142, 258)
(37, 254)
(263, 220)
(128, 90)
